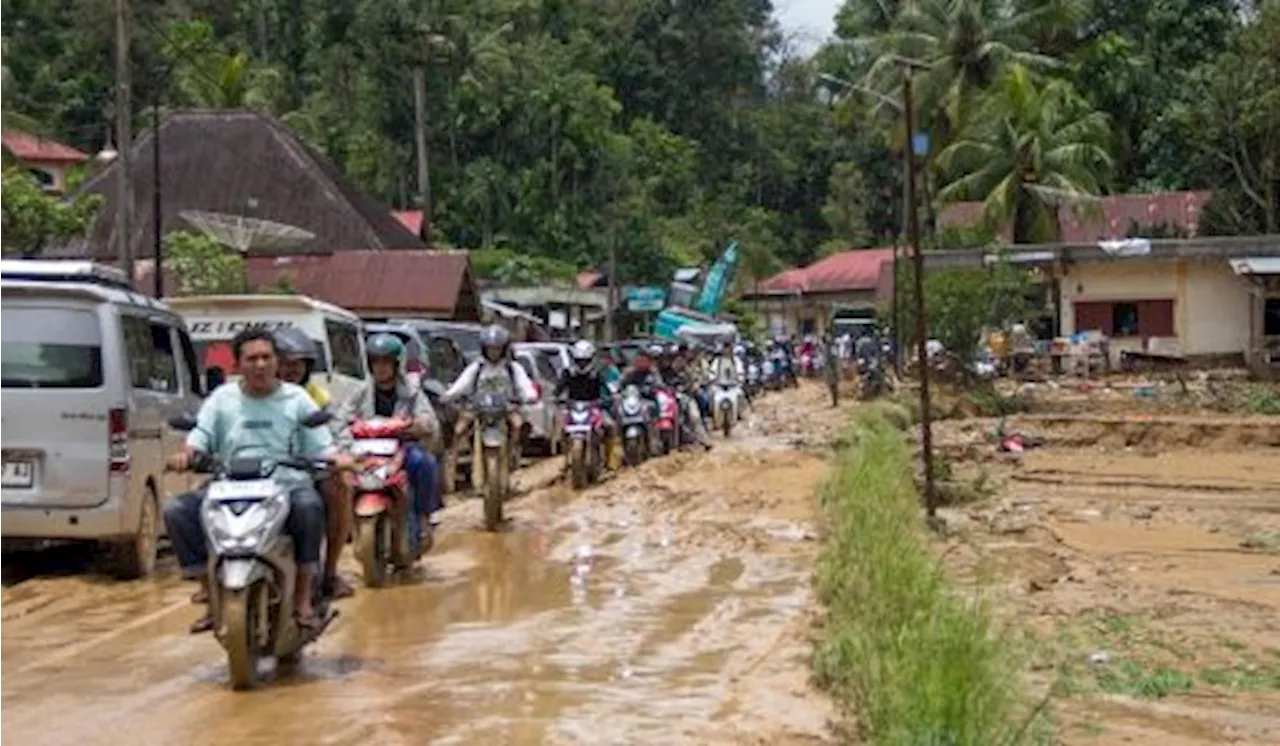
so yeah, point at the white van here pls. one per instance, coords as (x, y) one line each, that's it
(215, 319)
(91, 373)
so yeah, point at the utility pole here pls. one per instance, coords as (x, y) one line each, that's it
(917, 256)
(157, 249)
(124, 131)
(610, 328)
(420, 140)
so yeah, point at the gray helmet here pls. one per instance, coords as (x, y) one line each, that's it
(494, 336)
(292, 342)
(384, 345)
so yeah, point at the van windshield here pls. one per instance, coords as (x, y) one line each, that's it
(50, 348)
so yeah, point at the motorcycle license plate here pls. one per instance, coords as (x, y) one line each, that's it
(577, 428)
(491, 437)
(375, 447)
(241, 489)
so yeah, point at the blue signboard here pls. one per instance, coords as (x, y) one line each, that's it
(649, 298)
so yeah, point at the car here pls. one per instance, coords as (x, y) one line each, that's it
(91, 372)
(465, 335)
(557, 353)
(541, 417)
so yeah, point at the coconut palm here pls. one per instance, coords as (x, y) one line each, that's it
(1032, 148)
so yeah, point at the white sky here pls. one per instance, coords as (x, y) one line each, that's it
(812, 21)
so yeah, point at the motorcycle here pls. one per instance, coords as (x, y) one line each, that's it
(667, 422)
(382, 494)
(584, 428)
(493, 444)
(753, 380)
(252, 571)
(633, 420)
(725, 411)
(872, 383)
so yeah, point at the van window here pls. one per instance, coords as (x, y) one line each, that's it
(53, 348)
(191, 363)
(217, 353)
(345, 348)
(149, 346)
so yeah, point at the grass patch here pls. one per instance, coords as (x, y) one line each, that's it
(910, 660)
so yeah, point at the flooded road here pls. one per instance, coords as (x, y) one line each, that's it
(669, 605)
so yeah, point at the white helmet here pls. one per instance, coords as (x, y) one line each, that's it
(583, 354)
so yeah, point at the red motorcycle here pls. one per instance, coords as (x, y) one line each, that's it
(584, 427)
(668, 421)
(386, 530)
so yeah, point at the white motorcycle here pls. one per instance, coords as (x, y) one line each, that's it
(726, 404)
(252, 572)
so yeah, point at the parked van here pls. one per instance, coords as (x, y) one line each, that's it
(91, 372)
(215, 319)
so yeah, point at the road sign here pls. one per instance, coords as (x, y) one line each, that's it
(649, 298)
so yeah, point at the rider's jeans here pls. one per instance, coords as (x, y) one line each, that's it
(185, 526)
(421, 467)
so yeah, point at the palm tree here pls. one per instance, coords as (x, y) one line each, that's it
(962, 45)
(1032, 148)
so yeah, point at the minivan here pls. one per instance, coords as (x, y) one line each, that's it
(91, 373)
(215, 319)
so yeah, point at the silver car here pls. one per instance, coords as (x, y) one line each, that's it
(91, 373)
(541, 415)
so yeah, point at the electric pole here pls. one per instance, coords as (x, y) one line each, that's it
(420, 140)
(124, 132)
(913, 239)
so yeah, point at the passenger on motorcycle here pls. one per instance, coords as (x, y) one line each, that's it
(393, 395)
(690, 389)
(581, 381)
(298, 355)
(494, 371)
(258, 415)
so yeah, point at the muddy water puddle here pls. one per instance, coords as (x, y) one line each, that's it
(668, 605)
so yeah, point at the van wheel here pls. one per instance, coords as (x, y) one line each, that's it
(136, 557)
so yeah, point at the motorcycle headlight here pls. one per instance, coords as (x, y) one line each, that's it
(242, 524)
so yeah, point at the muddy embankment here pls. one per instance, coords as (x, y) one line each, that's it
(1140, 555)
(671, 604)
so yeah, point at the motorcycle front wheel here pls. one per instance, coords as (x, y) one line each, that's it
(371, 545)
(239, 620)
(495, 481)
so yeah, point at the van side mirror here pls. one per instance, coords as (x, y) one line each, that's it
(213, 378)
(183, 423)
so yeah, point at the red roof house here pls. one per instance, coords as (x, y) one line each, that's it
(1178, 210)
(48, 160)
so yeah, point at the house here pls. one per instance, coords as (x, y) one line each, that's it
(288, 208)
(47, 160)
(1116, 216)
(805, 300)
(411, 220)
(1207, 298)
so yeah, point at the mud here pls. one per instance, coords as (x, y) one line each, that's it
(670, 604)
(1140, 555)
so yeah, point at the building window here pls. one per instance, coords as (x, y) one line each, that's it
(1271, 317)
(1140, 318)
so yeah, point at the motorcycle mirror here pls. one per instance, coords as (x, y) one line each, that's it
(183, 422)
(317, 418)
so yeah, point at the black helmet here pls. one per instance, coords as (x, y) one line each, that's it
(292, 342)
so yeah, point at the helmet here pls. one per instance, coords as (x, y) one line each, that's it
(494, 336)
(384, 345)
(656, 350)
(292, 342)
(583, 354)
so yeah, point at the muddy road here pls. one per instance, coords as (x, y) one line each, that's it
(669, 605)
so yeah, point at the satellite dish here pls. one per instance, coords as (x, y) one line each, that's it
(244, 234)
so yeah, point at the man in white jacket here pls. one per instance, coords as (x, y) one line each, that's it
(493, 372)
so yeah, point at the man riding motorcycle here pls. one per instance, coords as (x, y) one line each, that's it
(726, 365)
(298, 355)
(257, 414)
(690, 388)
(494, 371)
(583, 382)
(391, 394)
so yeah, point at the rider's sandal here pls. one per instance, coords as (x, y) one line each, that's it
(336, 587)
(308, 623)
(201, 625)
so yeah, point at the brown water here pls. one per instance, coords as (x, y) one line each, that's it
(669, 605)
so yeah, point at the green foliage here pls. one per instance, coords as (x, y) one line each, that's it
(507, 267)
(961, 303)
(912, 660)
(203, 266)
(33, 219)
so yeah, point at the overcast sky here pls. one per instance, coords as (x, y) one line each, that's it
(813, 20)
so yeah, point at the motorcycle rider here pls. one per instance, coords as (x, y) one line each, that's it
(643, 374)
(494, 370)
(831, 367)
(391, 394)
(688, 388)
(298, 355)
(259, 413)
(583, 382)
(725, 365)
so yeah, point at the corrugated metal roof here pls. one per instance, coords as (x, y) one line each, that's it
(34, 148)
(428, 281)
(859, 269)
(1178, 209)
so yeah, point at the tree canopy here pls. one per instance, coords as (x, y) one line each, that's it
(558, 128)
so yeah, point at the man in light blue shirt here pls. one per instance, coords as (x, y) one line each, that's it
(256, 416)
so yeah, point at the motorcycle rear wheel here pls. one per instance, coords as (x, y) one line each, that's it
(371, 547)
(578, 464)
(239, 632)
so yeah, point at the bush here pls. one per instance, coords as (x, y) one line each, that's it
(914, 663)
